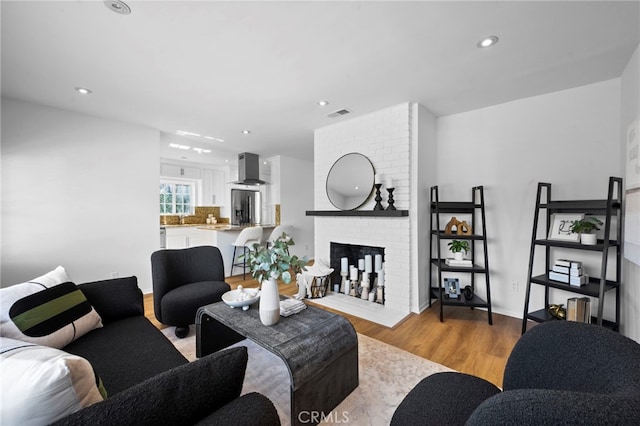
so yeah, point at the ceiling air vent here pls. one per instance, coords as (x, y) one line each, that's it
(338, 113)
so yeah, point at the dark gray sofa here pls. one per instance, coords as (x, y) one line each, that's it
(147, 379)
(559, 372)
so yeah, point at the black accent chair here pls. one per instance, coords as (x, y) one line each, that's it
(183, 281)
(559, 372)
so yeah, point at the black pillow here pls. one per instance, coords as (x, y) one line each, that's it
(115, 298)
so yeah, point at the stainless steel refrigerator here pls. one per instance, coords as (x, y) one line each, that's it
(245, 207)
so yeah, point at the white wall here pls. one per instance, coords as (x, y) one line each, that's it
(423, 176)
(77, 191)
(569, 138)
(629, 111)
(293, 185)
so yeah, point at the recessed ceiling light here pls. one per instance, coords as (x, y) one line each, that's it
(186, 133)
(178, 146)
(246, 132)
(211, 138)
(118, 6)
(82, 90)
(488, 41)
(323, 103)
(201, 150)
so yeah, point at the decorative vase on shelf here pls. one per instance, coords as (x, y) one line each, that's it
(457, 255)
(269, 302)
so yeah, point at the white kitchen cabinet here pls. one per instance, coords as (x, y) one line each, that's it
(179, 171)
(187, 236)
(213, 187)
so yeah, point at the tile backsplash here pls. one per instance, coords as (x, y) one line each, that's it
(200, 216)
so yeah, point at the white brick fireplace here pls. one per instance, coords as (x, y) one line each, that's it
(388, 138)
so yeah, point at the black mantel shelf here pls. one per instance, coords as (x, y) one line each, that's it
(369, 213)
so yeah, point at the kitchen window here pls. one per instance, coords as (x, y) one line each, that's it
(177, 197)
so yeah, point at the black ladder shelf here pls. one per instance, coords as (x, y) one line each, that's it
(472, 208)
(598, 286)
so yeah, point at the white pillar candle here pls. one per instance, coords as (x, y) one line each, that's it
(361, 264)
(381, 278)
(378, 178)
(368, 266)
(372, 296)
(354, 274)
(344, 265)
(389, 183)
(378, 262)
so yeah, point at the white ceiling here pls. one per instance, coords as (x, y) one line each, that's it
(217, 68)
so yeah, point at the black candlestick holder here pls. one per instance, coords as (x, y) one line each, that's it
(391, 206)
(378, 197)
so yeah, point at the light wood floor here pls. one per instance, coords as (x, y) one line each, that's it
(464, 341)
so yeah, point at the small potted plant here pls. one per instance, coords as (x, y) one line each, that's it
(586, 227)
(268, 264)
(457, 247)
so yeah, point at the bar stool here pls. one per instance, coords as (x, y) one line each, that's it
(246, 239)
(277, 232)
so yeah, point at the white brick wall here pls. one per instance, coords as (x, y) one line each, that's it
(385, 138)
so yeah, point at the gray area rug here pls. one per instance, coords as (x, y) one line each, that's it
(387, 374)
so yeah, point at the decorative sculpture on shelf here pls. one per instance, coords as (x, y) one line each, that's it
(448, 229)
(461, 227)
(557, 311)
(378, 205)
(464, 228)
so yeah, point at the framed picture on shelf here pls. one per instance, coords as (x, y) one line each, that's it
(452, 287)
(561, 226)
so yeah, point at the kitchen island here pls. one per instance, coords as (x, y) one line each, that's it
(220, 235)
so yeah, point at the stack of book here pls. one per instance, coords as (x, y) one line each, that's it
(579, 309)
(291, 306)
(455, 262)
(569, 272)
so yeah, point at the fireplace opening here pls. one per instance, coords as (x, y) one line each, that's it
(355, 254)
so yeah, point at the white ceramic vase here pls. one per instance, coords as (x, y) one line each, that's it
(588, 239)
(269, 302)
(457, 255)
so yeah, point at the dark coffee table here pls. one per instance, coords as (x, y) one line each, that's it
(320, 349)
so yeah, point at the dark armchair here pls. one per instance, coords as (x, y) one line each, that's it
(560, 372)
(183, 281)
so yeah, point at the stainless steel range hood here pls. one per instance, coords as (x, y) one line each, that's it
(249, 169)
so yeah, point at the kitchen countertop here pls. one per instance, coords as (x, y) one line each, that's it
(216, 227)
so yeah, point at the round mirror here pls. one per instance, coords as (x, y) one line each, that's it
(350, 181)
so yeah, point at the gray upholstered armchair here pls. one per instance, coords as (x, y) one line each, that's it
(183, 281)
(560, 372)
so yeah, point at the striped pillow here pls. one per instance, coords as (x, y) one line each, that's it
(51, 316)
(40, 384)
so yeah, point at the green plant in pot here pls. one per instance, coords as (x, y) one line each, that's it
(457, 247)
(586, 227)
(269, 264)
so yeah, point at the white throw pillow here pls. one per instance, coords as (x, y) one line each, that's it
(63, 331)
(41, 385)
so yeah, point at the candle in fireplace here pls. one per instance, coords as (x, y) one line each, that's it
(354, 274)
(344, 265)
(378, 262)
